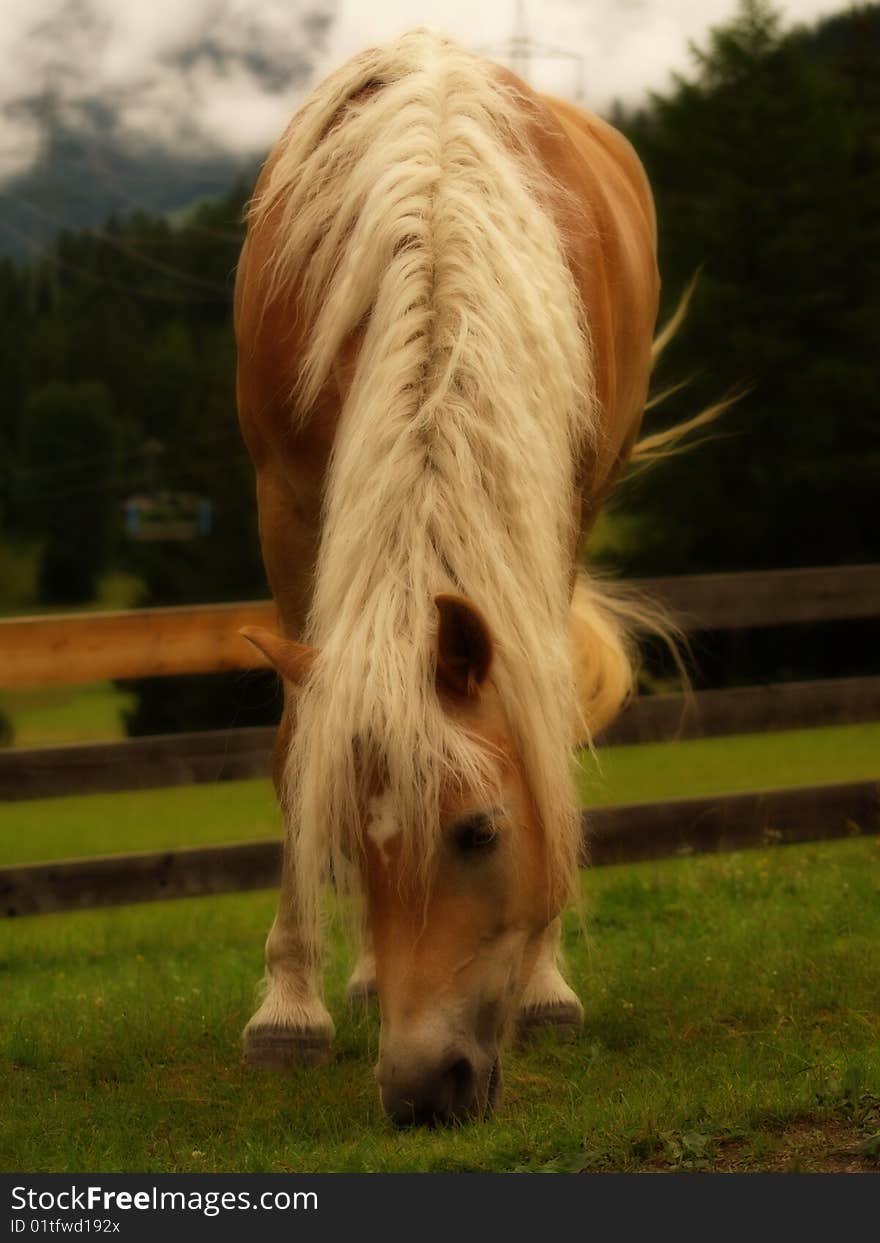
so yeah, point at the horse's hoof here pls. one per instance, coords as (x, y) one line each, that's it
(566, 1018)
(360, 992)
(278, 1048)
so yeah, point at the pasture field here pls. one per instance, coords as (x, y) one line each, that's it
(732, 1024)
(46, 716)
(733, 1002)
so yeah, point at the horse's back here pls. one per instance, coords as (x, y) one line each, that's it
(606, 223)
(609, 234)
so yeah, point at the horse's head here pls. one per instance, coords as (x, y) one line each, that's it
(452, 963)
(453, 955)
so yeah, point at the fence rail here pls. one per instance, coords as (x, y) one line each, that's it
(88, 647)
(769, 597)
(748, 710)
(157, 642)
(611, 835)
(144, 643)
(234, 754)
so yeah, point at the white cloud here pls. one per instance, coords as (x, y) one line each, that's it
(626, 46)
(124, 51)
(137, 57)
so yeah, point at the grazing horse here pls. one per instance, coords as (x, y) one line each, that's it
(444, 314)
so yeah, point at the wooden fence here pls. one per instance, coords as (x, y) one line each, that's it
(89, 647)
(611, 835)
(234, 754)
(84, 647)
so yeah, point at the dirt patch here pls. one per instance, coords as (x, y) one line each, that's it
(827, 1147)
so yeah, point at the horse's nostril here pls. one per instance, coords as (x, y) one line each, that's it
(460, 1078)
(441, 1096)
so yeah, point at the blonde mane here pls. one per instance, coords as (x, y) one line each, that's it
(411, 206)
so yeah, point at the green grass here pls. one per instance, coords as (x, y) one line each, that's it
(91, 824)
(241, 810)
(661, 770)
(732, 1005)
(53, 715)
(19, 565)
(732, 1022)
(19, 571)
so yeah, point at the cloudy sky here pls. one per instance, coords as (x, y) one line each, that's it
(134, 56)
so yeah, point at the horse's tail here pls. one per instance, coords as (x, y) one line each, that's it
(602, 659)
(607, 618)
(604, 624)
(678, 438)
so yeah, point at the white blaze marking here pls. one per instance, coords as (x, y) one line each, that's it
(381, 824)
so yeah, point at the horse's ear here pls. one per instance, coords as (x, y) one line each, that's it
(293, 661)
(464, 646)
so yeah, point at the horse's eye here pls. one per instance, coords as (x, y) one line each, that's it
(475, 835)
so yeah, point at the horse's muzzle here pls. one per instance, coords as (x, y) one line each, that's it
(464, 1084)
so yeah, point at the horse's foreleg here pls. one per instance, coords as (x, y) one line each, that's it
(292, 1025)
(547, 1000)
(361, 987)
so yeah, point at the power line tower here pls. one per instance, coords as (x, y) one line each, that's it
(521, 50)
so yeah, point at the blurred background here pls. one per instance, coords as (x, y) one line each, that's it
(130, 136)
